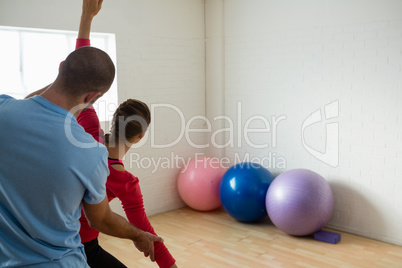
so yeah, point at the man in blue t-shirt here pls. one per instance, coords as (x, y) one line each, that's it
(49, 166)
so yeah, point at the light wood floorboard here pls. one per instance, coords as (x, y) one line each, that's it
(214, 239)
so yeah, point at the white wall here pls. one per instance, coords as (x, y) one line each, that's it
(292, 58)
(160, 60)
(215, 74)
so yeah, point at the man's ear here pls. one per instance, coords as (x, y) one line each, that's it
(91, 97)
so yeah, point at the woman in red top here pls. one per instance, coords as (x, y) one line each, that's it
(120, 183)
(135, 116)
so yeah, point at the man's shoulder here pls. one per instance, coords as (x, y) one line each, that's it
(84, 143)
(5, 98)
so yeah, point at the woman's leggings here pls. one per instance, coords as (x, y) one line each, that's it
(97, 257)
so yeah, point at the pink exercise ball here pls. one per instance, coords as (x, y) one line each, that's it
(198, 183)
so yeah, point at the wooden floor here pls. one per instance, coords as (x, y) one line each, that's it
(214, 240)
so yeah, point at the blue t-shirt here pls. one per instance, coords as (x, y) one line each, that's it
(48, 165)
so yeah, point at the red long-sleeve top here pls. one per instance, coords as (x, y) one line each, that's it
(120, 184)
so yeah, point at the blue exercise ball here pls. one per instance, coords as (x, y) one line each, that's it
(243, 189)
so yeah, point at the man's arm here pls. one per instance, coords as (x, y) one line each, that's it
(38, 92)
(100, 217)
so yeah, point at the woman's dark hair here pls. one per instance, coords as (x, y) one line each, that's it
(131, 118)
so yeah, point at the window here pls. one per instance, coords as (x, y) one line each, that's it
(30, 58)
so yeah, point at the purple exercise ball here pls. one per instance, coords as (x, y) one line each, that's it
(299, 202)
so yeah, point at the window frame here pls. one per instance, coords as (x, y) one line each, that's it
(105, 106)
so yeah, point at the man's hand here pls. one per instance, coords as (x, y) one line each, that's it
(91, 7)
(100, 217)
(145, 244)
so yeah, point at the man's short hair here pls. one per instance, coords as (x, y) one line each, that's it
(86, 69)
